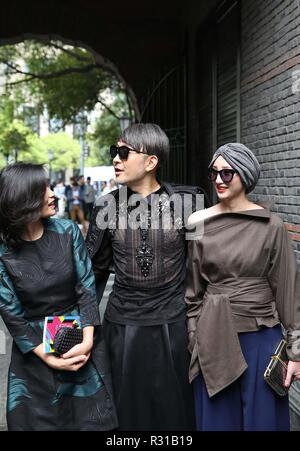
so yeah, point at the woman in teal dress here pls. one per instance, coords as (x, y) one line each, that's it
(45, 271)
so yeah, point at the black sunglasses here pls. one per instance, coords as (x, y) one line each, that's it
(122, 151)
(225, 174)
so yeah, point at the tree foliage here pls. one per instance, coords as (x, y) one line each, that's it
(14, 135)
(106, 132)
(64, 149)
(64, 81)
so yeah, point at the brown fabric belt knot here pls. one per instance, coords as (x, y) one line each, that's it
(217, 347)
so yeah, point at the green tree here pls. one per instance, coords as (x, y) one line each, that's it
(14, 139)
(65, 150)
(106, 132)
(2, 161)
(62, 78)
(64, 81)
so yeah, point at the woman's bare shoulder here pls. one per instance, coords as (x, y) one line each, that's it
(257, 207)
(201, 215)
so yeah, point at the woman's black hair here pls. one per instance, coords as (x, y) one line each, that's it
(22, 192)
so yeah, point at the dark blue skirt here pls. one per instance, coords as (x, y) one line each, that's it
(248, 404)
(150, 376)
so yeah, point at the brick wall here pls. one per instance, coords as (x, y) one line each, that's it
(270, 103)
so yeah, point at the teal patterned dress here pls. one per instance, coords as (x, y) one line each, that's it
(53, 276)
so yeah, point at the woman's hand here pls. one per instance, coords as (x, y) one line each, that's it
(191, 341)
(83, 348)
(72, 364)
(57, 363)
(293, 372)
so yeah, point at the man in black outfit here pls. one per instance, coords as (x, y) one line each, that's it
(145, 319)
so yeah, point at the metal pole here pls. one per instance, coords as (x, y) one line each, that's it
(81, 153)
(83, 124)
(50, 158)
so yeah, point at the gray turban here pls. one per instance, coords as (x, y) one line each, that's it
(242, 160)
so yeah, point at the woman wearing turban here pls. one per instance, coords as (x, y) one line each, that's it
(242, 283)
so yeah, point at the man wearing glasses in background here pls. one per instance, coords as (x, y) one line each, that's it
(145, 319)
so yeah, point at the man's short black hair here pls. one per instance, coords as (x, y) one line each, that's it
(149, 137)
